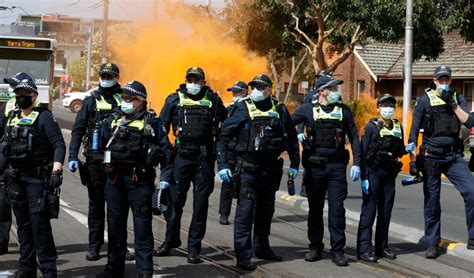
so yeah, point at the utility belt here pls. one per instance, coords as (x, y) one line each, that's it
(319, 161)
(439, 151)
(35, 172)
(137, 173)
(96, 156)
(189, 149)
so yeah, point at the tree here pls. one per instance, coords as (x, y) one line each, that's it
(457, 15)
(261, 25)
(344, 24)
(77, 70)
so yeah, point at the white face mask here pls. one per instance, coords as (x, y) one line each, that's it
(236, 99)
(193, 89)
(127, 107)
(107, 83)
(387, 112)
(334, 97)
(257, 95)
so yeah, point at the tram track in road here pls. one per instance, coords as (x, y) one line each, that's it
(231, 270)
(384, 265)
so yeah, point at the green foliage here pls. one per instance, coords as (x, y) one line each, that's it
(77, 69)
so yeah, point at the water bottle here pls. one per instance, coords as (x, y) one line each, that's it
(291, 185)
(411, 180)
(95, 139)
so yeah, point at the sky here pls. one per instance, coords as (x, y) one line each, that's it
(134, 10)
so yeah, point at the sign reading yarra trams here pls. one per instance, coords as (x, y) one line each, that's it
(24, 43)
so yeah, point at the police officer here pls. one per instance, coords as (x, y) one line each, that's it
(5, 208)
(194, 111)
(327, 123)
(437, 112)
(382, 146)
(239, 91)
(135, 143)
(35, 149)
(264, 129)
(97, 107)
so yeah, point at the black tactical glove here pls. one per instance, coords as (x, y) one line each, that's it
(56, 179)
(413, 169)
(448, 97)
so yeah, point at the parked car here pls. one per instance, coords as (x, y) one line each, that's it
(74, 100)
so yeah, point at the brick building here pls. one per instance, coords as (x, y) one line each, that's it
(378, 68)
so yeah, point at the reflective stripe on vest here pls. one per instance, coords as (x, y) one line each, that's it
(184, 100)
(102, 104)
(11, 105)
(254, 112)
(30, 120)
(435, 100)
(138, 124)
(396, 131)
(335, 114)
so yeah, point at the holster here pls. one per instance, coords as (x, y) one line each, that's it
(53, 198)
(236, 181)
(318, 161)
(84, 173)
(245, 193)
(5, 208)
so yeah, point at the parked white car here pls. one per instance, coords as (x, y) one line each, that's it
(74, 100)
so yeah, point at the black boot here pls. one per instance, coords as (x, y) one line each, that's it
(386, 253)
(164, 249)
(93, 254)
(368, 257)
(249, 266)
(3, 249)
(432, 252)
(339, 259)
(129, 255)
(470, 244)
(194, 258)
(313, 255)
(269, 255)
(224, 220)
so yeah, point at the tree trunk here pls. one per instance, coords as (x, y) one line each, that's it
(294, 70)
(276, 80)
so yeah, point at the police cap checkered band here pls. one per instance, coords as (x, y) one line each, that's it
(26, 84)
(15, 79)
(109, 68)
(239, 86)
(262, 80)
(197, 71)
(135, 88)
(326, 81)
(442, 71)
(385, 98)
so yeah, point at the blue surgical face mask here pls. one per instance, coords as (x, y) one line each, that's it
(334, 97)
(387, 112)
(443, 87)
(127, 107)
(257, 95)
(107, 83)
(193, 89)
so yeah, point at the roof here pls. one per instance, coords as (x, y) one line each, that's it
(385, 61)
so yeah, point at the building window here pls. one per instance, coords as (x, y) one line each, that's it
(468, 92)
(360, 87)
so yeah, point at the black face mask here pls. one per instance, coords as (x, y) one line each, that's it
(24, 101)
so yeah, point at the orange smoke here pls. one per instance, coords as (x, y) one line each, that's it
(366, 109)
(160, 55)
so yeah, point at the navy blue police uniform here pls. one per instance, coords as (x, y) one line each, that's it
(442, 153)
(96, 108)
(135, 145)
(264, 129)
(32, 144)
(194, 120)
(382, 147)
(325, 163)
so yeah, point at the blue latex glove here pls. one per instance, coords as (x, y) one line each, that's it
(364, 185)
(225, 175)
(410, 147)
(355, 173)
(164, 185)
(73, 166)
(301, 137)
(294, 171)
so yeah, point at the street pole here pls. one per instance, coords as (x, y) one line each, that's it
(89, 54)
(407, 81)
(104, 31)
